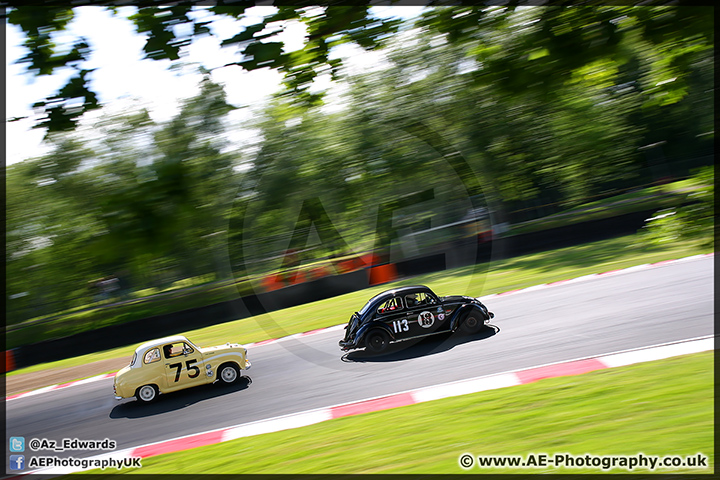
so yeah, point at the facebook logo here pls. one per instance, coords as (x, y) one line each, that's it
(17, 444)
(17, 462)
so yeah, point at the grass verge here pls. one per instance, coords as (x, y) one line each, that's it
(657, 408)
(476, 280)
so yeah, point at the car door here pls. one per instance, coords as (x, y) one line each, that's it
(424, 314)
(184, 365)
(392, 313)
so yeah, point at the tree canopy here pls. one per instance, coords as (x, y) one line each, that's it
(540, 54)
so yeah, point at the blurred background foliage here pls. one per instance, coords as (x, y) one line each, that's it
(520, 108)
(694, 221)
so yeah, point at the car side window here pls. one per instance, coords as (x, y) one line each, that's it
(425, 299)
(152, 355)
(411, 300)
(172, 350)
(392, 305)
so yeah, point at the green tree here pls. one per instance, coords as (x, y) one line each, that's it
(46, 222)
(146, 202)
(326, 27)
(553, 42)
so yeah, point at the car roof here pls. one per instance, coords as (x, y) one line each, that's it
(162, 341)
(400, 291)
(408, 289)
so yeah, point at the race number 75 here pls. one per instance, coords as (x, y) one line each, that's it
(190, 368)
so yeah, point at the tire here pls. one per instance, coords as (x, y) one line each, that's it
(472, 324)
(228, 374)
(147, 393)
(377, 341)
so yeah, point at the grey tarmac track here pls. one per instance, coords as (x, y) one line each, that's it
(600, 315)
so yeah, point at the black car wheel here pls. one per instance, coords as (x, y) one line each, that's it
(377, 341)
(471, 324)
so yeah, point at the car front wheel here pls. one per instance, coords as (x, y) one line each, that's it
(471, 324)
(228, 374)
(377, 341)
(147, 393)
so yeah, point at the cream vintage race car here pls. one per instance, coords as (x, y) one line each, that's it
(174, 363)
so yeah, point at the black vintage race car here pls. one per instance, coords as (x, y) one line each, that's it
(411, 312)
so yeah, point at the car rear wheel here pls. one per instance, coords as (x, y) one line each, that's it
(377, 341)
(147, 393)
(471, 324)
(228, 373)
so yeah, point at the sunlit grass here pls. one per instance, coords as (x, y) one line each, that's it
(659, 408)
(477, 280)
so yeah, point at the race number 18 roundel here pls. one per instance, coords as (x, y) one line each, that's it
(426, 319)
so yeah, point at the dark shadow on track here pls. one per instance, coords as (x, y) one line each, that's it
(177, 400)
(420, 347)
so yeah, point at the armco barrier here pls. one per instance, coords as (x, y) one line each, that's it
(421, 265)
(569, 235)
(9, 361)
(380, 274)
